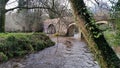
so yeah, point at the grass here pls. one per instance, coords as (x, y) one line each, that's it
(5, 35)
(110, 37)
(20, 44)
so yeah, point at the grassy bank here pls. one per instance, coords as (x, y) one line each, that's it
(19, 44)
(110, 37)
(113, 41)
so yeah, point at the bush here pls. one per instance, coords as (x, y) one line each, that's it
(22, 44)
(3, 57)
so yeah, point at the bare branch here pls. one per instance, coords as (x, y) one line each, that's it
(97, 2)
(27, 8)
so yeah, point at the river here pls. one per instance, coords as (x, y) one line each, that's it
(69, 52)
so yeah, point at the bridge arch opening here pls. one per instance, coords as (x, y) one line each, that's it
(102, 22)
(51, 29)
(103, 25)
(72, 30)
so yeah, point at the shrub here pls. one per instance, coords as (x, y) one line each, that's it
(3, 57)
(21, 44)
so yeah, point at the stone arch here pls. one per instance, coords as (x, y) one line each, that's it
(51, 29)
(72, 29)
(103, 25)
(102, 22)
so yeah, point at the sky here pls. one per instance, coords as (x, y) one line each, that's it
(11, 4)
(90, 3)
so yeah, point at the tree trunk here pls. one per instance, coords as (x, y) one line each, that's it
(103, 53)
(2, 15)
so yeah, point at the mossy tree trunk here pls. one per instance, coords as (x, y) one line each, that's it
(2, 15)
(94, 37)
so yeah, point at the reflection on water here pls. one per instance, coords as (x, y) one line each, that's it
(77, 36)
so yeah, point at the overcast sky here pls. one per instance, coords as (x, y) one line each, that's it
(11, 4)
(90, 3)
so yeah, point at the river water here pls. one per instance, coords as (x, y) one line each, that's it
(68, 52)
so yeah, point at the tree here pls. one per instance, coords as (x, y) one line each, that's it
(53, 7)
(23, 4)
(57, 8)
(94, 37)
(2, 14)
(31, 18)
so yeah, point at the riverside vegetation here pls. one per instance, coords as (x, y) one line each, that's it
(20, 44)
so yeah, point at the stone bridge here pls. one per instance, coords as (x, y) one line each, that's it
(63, 26)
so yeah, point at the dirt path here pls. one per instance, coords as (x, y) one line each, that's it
(68, 53)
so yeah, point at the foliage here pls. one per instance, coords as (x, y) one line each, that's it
(115, 15)
(15, 44)
(3, 57)
(110, 37)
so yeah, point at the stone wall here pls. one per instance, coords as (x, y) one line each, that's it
(10, 23)
(22, 22)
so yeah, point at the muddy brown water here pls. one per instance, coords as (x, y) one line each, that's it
(67, 53)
